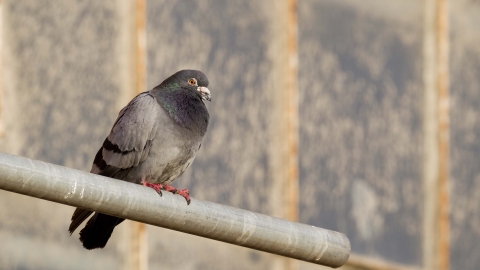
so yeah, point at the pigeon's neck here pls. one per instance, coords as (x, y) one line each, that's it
(184, 107)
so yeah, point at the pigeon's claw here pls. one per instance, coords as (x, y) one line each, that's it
(182, 192)
(157, 187)
(185, 194)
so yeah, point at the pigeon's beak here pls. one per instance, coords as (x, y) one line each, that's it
(205, 93)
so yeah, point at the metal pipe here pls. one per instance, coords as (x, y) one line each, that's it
(219, 222)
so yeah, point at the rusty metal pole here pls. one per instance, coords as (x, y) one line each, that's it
(436, 241)
(137, 245)
(285, 117)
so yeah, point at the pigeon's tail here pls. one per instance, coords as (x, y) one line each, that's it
(98, 230)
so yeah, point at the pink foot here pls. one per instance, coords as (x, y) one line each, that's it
(157, 187)
(185, 194)
(169, 189)
(182, 192)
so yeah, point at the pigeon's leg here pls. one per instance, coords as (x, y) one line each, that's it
(157, 187)
(182, 192)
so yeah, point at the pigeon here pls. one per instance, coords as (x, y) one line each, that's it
(153, 141)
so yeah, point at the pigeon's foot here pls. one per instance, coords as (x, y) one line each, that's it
(157, 187)
(185, 194)
(182, 192)
(169, 189)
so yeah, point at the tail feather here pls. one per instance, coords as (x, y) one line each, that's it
(77, 218)
(98, 230)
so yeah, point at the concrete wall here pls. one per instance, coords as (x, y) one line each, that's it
(61, 83)
(65, 75)
(361, 90)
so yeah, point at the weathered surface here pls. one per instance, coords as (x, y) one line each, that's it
(465, 135)
(360, 130)
(61, 83)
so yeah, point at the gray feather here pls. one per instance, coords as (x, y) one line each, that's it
(131, 136)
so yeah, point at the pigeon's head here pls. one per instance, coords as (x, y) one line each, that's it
(193, 80)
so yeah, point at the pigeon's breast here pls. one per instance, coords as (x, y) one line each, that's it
(170, 155)
(168, 162)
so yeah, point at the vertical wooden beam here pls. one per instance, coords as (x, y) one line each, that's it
(436, 241)
(284, 153)
(2, 128)
(136, 235)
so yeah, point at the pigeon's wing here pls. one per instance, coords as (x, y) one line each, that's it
(126, 146)
(130, 139)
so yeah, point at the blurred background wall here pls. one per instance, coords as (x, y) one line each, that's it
(68, 67)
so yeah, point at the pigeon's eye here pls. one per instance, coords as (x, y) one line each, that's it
(192, 81)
